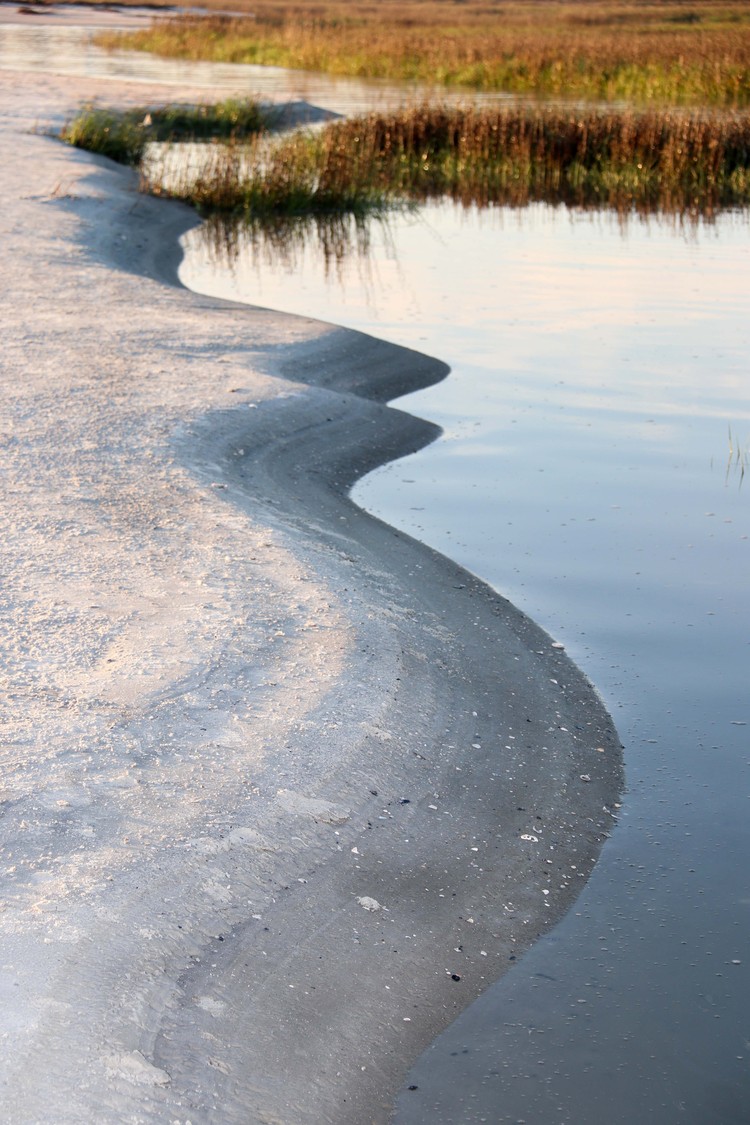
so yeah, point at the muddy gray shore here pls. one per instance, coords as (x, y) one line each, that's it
(283, 789)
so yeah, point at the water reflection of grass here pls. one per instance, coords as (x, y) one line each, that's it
(603, 50)
(334, 239)
(739, 457)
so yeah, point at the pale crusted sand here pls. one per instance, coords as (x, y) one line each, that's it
(223, 683)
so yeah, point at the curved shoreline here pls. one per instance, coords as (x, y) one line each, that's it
(361, 720)
(473, 672)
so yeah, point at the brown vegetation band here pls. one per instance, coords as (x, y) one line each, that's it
(673, 161)
(658, 52)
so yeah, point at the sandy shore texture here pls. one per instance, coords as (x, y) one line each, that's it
(282, 790)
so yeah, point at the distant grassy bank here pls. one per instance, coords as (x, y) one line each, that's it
(692, 162)
(665, 52)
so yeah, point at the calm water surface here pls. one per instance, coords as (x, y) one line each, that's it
(585, 472)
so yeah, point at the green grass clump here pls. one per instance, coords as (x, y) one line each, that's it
(231, 118)
(107, 133)
(123, 135)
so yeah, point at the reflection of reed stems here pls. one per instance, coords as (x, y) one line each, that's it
(284, 241)
(739, 455)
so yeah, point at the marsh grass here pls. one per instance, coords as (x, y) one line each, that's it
(231, 118)
(657, 52)
(678, 162)
(107, 132)
(124, 135)
(304, 173)
(682, 162)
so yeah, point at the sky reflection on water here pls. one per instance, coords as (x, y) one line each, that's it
(584, 472)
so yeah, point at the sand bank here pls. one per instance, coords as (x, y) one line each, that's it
(282, 789)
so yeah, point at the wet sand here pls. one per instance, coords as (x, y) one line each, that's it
(283, 790)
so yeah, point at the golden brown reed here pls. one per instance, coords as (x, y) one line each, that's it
(670, 53)
(678, 161)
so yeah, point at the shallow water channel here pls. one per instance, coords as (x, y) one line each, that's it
(595, 468)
